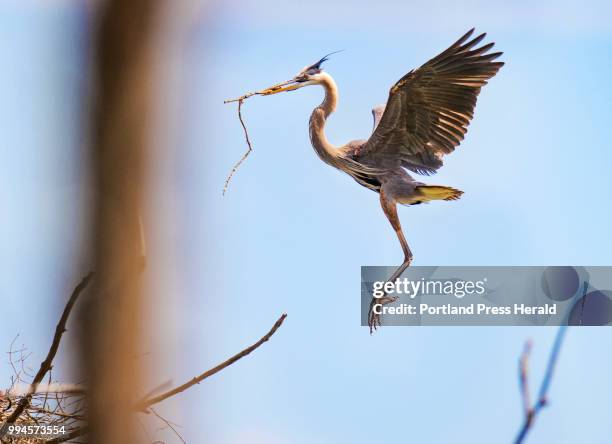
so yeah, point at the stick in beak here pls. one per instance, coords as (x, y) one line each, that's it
(289, 85)
(286, 86)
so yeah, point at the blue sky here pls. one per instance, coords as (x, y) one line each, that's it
(291, 233)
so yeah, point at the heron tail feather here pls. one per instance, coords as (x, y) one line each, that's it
(437, 192)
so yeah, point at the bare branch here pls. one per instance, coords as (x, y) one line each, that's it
(246, 136)
(242, 98)
(524, 377)
(542, 401)
(168, 424)
(532, 411)
(55, 403)
(50, 413)
(263, 92)
(49, 382)
(21, 389)
(146, 403)
(163, 386)
(45, 366)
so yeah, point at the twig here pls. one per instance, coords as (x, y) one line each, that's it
(146, 403)
(158, 388)
(144, 430)
(56, 413)
(242, 98)
(44, 405)
(523, 377)
(22, 370)
(542, 401)
(264, 92)
(246, 136)
(21, 389)
(169, 424)
(45, 366)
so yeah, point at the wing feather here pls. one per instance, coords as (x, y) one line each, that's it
(429, 109)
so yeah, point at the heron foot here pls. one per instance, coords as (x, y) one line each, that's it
(374, 313)
(378, 303)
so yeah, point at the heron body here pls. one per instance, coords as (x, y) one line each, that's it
(426, 116)
(370, 171)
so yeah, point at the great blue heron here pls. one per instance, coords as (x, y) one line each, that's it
(426, 117)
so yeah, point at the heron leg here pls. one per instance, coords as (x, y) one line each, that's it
(389, 206)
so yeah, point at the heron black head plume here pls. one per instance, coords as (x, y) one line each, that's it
(317, 66)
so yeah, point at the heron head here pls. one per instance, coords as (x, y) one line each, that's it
(309, 75)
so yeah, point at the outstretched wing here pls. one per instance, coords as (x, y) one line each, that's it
(429, 110)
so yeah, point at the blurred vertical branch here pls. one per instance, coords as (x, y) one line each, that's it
(111, 324)
(531, 411)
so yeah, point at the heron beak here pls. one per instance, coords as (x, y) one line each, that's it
(289, 85)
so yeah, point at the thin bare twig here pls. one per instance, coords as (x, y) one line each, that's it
(46, 365)
(146, 403)
(542, 401)
(263, 92)
(248, 141)
(242, 98)
(144, 430)
(50, 380)
(169, 424)
(57, 413)
(532, 411)
(524, 377)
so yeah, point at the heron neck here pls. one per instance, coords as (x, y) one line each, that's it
(326, 151)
